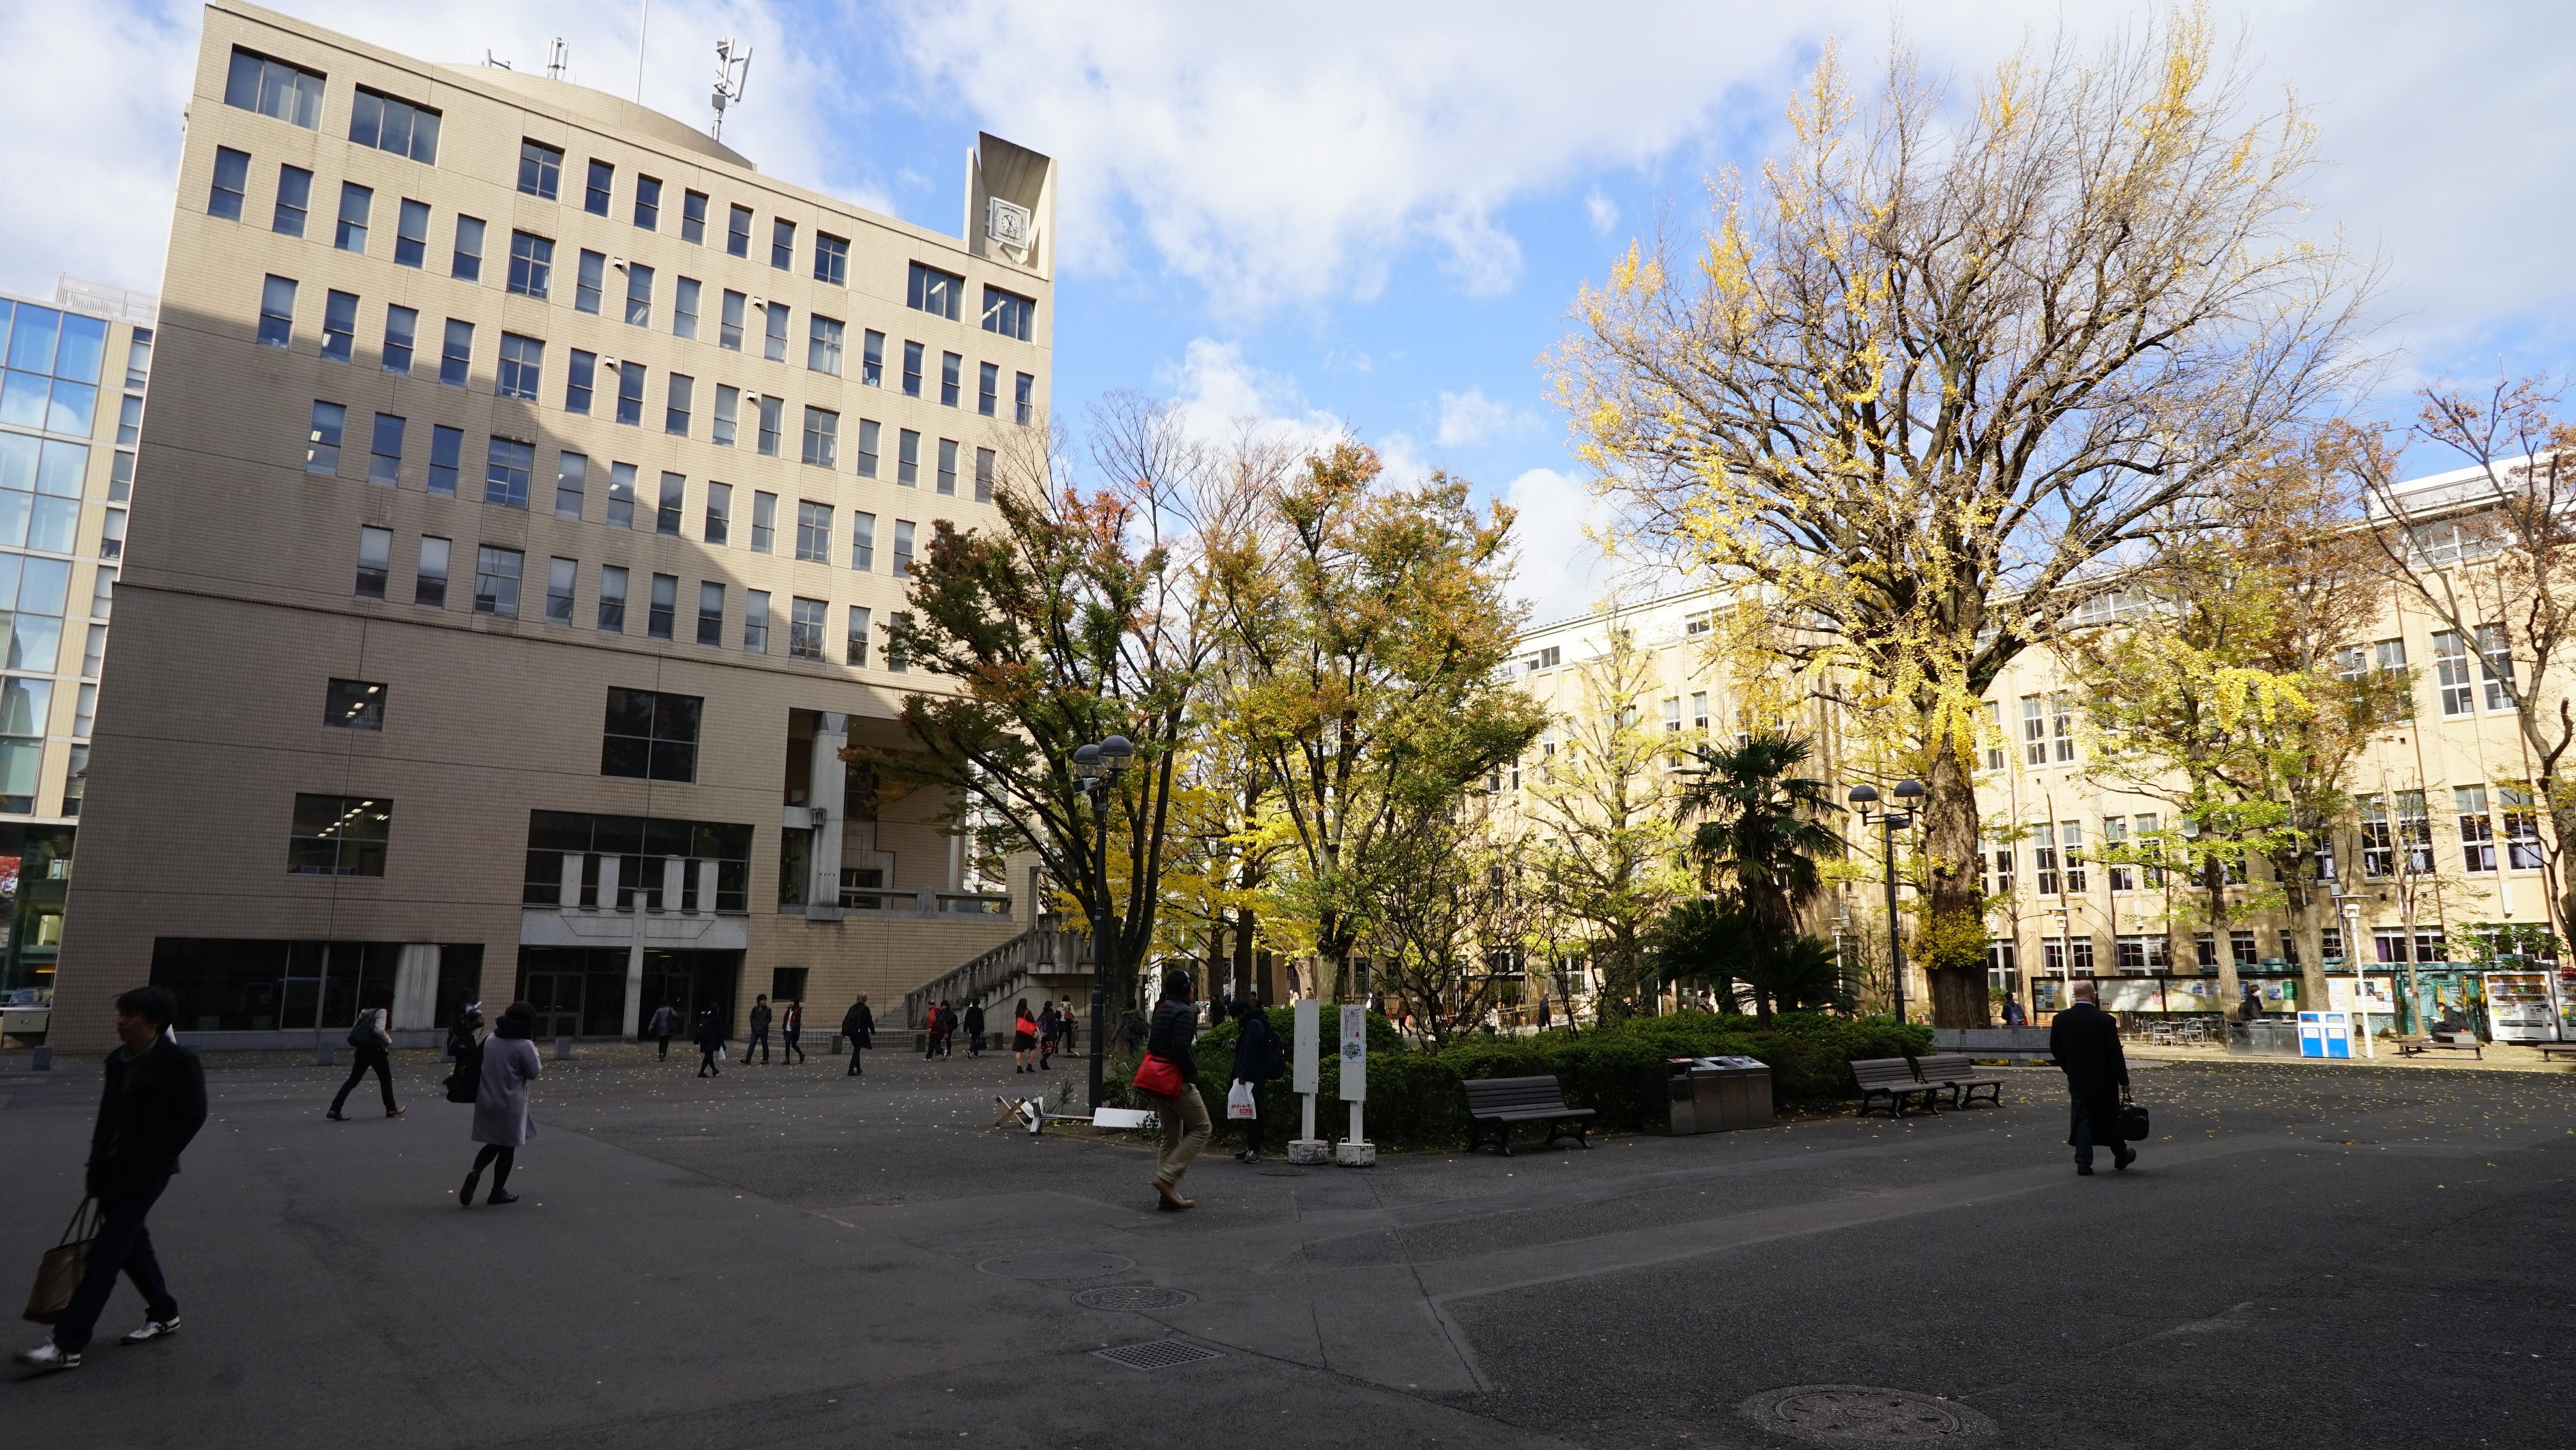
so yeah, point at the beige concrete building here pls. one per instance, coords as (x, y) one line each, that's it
(535, 483)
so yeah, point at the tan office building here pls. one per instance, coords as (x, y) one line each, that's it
(530, 483)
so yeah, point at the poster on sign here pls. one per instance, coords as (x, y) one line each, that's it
(1354, 1053)
(2376, 995)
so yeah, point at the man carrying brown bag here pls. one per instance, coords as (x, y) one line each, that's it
(154, 1104)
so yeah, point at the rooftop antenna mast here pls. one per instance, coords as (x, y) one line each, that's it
(558, 57)
(733, 72)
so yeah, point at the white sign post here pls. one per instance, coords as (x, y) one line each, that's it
(1307, 1148)
(1356, 1151)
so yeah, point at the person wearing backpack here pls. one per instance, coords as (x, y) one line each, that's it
(370, 1042)
(666, 1020)
(501, 1122)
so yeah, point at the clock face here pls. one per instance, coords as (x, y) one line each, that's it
(1007, 222)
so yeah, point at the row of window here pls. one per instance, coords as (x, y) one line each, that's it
(2150, 953)
(500, 575)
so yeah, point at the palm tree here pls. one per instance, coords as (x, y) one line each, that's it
(1761, 835)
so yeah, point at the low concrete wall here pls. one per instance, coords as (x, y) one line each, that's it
(1991, 1040)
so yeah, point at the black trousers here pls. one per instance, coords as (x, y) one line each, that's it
(665, 1041)
(854, 1059)
(2095, 1121)
(369, 1057)
(707, 1061)
(494, 1153)
(787, 1047)
(123, 1246)
(1251, 1129)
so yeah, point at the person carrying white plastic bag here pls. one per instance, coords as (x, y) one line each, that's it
(1258, 1057)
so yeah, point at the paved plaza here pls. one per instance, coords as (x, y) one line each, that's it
(2307, 1255)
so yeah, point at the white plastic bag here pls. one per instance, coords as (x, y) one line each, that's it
(1238, 1101)
(720, 1054)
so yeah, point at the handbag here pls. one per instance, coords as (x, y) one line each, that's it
(465, 1081)
(2133, 1120)
(1159, 1076)
(1238, 1101)
(58, 1269)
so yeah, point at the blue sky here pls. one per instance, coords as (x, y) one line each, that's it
(1355, 212)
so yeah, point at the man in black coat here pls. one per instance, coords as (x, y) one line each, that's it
(860, 1026)
(154, 1104)
(2086, 1044)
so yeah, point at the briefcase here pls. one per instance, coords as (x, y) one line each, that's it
(58, 1272)
(2133, 1121)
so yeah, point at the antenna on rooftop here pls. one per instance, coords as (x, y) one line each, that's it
(733, 72)
(558, 56)
(493, 63)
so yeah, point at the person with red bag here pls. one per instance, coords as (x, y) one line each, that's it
(1168, 1077)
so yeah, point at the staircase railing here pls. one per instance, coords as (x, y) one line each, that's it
(980, 977)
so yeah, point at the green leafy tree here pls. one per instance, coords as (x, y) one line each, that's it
(1761, 833)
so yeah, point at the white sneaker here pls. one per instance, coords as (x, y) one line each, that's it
(153, 1329)
(47, 1357)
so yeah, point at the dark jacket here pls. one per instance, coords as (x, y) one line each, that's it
(2086, 1043)
(154, 1104)
(1176, 1028)
(1257, 1057)
(975, 1020)
(710, 1032)
(1135, 1028)
(859, 1024)
(760, 1018)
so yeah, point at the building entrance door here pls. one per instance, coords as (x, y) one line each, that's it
(557, 998)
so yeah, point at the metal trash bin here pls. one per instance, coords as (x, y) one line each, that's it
(1716, 1094)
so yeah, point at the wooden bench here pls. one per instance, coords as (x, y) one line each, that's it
(2551, 1051)
(2418, 1046)
(1494, 1104)
(1893, 1078)
(1956, 1072)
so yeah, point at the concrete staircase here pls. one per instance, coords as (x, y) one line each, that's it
(1049, 960)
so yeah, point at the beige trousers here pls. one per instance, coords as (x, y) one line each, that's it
(1185, 1132)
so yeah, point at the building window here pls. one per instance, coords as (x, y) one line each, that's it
(102, 602)
(355, 705)
(2043, 858)
(2115, 840)
(640, 845)
(381, 121)
(831, 259)
(429, 579)
(814, 531)
(385, 450)
(540, 169)
(863, 542)
(903, 529)
(650, 735)
(1024, 400)
(948, 466)
(232, 184)
(951, 371)
(594, 193)
(2521, 829)
(496, 581)
(339, 325)
(129, 421)
(984, 494)
(782, 244)
(559, 582)
(719, 512)
(589, 273)
(755, 621)
(907, 458)
(664, 606)
(729, 323)
(339, 835)
(2451, 674)
(805, 628)
(738, 231)
(648, 202)
(2378, 847)
(572, 476)
(1991, 713)
(822, 437)
(630, 394)
(896, 630)
(823, 345)
(322, 441)
(456, 356)
(411, 234)
(855, 652)
(1008, 313)
(868, 435)
(2034, 729)
(467, 265)
(274, 88)
(401, 325)
(375, 561)
(711, 614)
(773, 414)
(912, 370)
(111, 535)
(684, 307)
(728, 413)
(773, 342)
(679, 394)
(639, 295)
(446, 454)
(2477, 829)
(872, 359)
(673, 503)
(532, 264)
(1999, 866)
(693, 217)
(933, 291)
(2415, 830)
(507, 463)
(2070, 841)
(277, 312)
(612, 599)
(2495, 667)
(764, 522)
(621, 495)
(294, 198)
(522, 361)
(988, 387)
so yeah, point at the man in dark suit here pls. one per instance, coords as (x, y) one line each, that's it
(154, 1104)
(2086, 1044)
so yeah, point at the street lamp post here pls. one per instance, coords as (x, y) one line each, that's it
(1862, 798)
(1098, 767)
(2360, 982)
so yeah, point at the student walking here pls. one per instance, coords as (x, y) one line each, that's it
(1183, 1114)
(1064, 1022)
(666, 1020)
(501, 1122)
(154, 1103)
(859, 1025)
(1049, 1026)
(974, 1029)
(758, 1041)
(371, 1041)
(1024, 1037)
(2085, 1041)
(1257, 1059)
(710, 1037)
(1135, 1028)
(791, 1026)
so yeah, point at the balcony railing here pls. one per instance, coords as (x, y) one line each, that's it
(894, 902)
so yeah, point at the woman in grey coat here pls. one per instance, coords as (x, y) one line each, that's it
(501, 1121)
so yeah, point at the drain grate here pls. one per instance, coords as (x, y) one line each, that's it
(1157, 1354)
(1068, 1264)
(1863, 1415)
(1133, 1297)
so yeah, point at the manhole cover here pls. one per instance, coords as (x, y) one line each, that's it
(1863, 1415)
(1157, 1354)
(1132, 1297)
(1071, 1264)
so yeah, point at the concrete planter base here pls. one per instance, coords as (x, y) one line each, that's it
(1309, 1151)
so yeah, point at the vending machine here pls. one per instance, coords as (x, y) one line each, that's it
(2521, 1007)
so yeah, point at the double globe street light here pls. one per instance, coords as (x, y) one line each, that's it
(1863, 797)
(1098, 767)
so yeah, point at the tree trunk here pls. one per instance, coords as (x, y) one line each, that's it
(2562, 822)
(2312, 951)
(1248, 985)
(2221, 949)
(1953, 894)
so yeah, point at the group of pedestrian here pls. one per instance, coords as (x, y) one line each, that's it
(1036, 1039)
(939, 1034)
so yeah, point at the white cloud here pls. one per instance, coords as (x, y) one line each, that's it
(1563, 569)
(1603, 212)
(1470, 418)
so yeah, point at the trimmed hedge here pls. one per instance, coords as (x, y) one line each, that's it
(1415, 1101)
